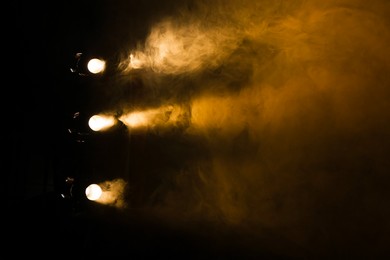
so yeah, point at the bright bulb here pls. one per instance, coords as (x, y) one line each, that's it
(100, 122)
(93, 192)
(96, 66)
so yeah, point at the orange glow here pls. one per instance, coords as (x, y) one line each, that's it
(135, 119)
(159, 117)
(110, 193)
(287, 99)
(174, 49)
(101, 122)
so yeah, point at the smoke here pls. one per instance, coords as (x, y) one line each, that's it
(174, 48)
(113, 193)
(289, 119)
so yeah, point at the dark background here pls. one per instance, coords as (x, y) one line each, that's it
(290, 162)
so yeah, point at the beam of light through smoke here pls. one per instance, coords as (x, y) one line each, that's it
(110, 192)
(301, 146)
(172, 48)
(161, 117)
(101, 122)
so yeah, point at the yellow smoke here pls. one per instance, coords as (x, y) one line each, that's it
(184, 45)
(299, 136)
(113, 192)
(166, 116)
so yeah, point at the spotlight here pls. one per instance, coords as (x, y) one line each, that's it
(78, 127)
(85, 65)
(96, 66)
(93, 192)
(101, 122)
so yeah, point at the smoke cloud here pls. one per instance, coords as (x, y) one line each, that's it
(112, 193)
(287, 124)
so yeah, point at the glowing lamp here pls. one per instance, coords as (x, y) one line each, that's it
(101, 122)
(86, 65)
(96, 66)
(93, 192)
